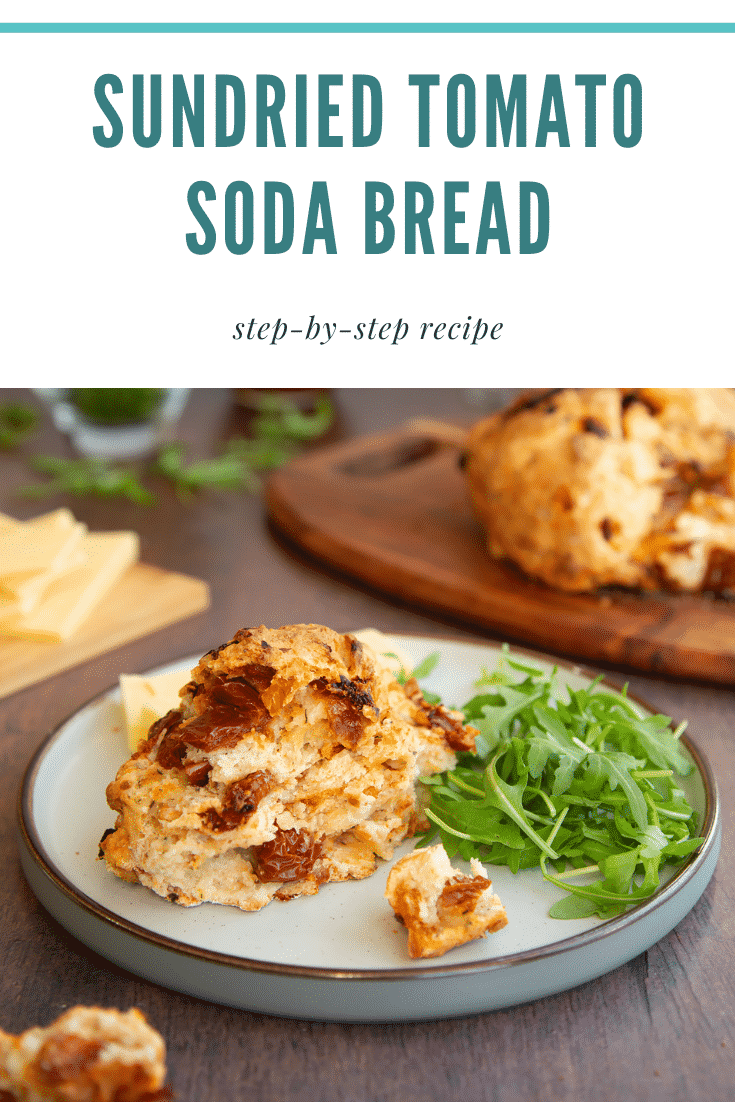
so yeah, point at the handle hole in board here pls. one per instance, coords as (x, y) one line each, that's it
(395, 458)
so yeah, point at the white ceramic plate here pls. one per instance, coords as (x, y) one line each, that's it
(339, 955)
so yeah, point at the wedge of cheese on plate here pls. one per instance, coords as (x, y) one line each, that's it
(387, 652)
(146, 699)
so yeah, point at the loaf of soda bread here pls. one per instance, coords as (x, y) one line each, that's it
(584, 488)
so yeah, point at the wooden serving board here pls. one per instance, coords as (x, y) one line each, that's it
(392, 511)
(144, 600)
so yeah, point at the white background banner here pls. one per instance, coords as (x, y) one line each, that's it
(634, 285)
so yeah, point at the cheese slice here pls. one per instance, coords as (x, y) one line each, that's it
(31, 588)
(146, 699)
(43, 544)
(7, 522)
(72, 596)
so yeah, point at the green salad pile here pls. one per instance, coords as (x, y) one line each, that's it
(580, 787)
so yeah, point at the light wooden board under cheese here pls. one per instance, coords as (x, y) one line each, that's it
(70, 599)
(146, 699)
(145, 600)
(40, 544)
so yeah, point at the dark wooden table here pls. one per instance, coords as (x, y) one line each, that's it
(660, 1028)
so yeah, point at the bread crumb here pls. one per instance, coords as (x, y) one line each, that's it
(88, 1054)
(440, 906)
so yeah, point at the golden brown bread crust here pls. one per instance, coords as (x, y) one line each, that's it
(584, 488)
(441, 907)
(89, 1054)
(292, 761)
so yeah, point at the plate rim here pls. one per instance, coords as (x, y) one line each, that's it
(29, 837)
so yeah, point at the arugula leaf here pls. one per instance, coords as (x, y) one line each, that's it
(658, 741)
(426, 667)
(618, 870)
(509, 798)
(423, 669)
(611, 899)
(497, 719)
(573, 906)
(553, 740)
(651, 838)
(682, 848)
(616, 767)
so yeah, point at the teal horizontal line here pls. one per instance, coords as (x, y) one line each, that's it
(367, 28)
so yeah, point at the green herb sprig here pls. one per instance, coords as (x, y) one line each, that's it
(584, 786)
(280, 430)
(281, 421)
(97, 477)
(16, 422)
(227, 472)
